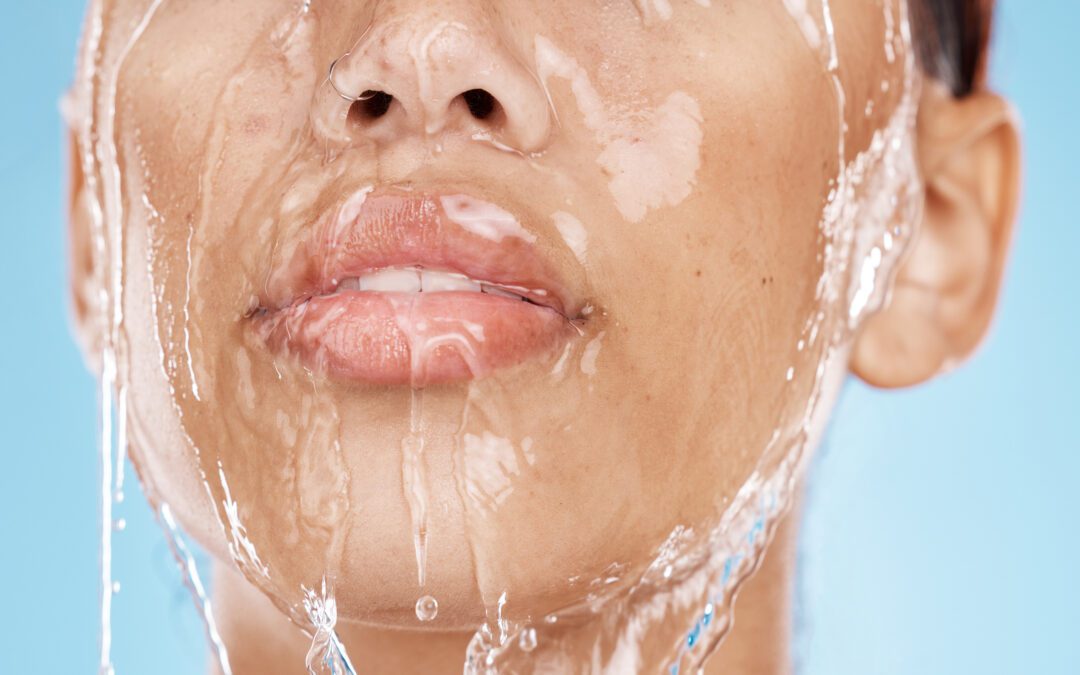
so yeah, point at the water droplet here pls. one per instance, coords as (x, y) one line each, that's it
(118, 496)
(116, 587)
(527, 641)
(710, 610)
(692, 638)
(427, 608)
(120, 524)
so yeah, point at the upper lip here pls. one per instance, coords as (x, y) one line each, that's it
(372, 229)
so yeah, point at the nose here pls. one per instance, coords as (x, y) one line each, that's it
(432, 68)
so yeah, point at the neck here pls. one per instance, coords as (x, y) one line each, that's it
(760, 640)
(261, 640)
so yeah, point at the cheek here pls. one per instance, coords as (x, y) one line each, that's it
(194, 133)
(714, 293)
(193, 110)
(704, 303)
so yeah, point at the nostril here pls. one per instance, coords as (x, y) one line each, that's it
(370, 106)
(481, 104)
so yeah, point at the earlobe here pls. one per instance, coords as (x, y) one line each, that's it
(946, 289)
(83, 281)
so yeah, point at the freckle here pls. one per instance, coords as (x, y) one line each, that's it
(763, 281)
(697, 273)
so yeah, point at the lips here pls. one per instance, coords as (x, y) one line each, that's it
(399, 289)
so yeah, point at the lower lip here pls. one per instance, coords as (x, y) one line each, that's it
(417, 339)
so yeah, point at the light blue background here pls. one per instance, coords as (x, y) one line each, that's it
(942, 523)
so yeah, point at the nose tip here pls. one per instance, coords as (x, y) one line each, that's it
(432, 77)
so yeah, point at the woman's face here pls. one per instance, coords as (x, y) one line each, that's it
(503, 342)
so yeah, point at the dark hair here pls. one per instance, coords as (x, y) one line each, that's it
(953, 37)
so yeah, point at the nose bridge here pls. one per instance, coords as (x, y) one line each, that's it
(428, 55)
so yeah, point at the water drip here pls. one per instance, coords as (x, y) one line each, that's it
(106, 453)
(327, 655)
(527, 640)
(193, 581)
(427, 608)
(414, 481)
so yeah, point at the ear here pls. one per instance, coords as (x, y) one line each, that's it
(84, 283)
(946, 288)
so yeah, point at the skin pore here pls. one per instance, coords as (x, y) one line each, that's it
(668, 162)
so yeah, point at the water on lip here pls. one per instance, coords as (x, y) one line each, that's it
(681, 607)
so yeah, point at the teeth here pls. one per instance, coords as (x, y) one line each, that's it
(431, 282)
(416, 280)
(391, 280)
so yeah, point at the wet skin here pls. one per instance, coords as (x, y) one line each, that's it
(670, 174)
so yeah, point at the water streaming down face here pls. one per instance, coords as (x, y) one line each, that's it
(685, 598)
(376, 227)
